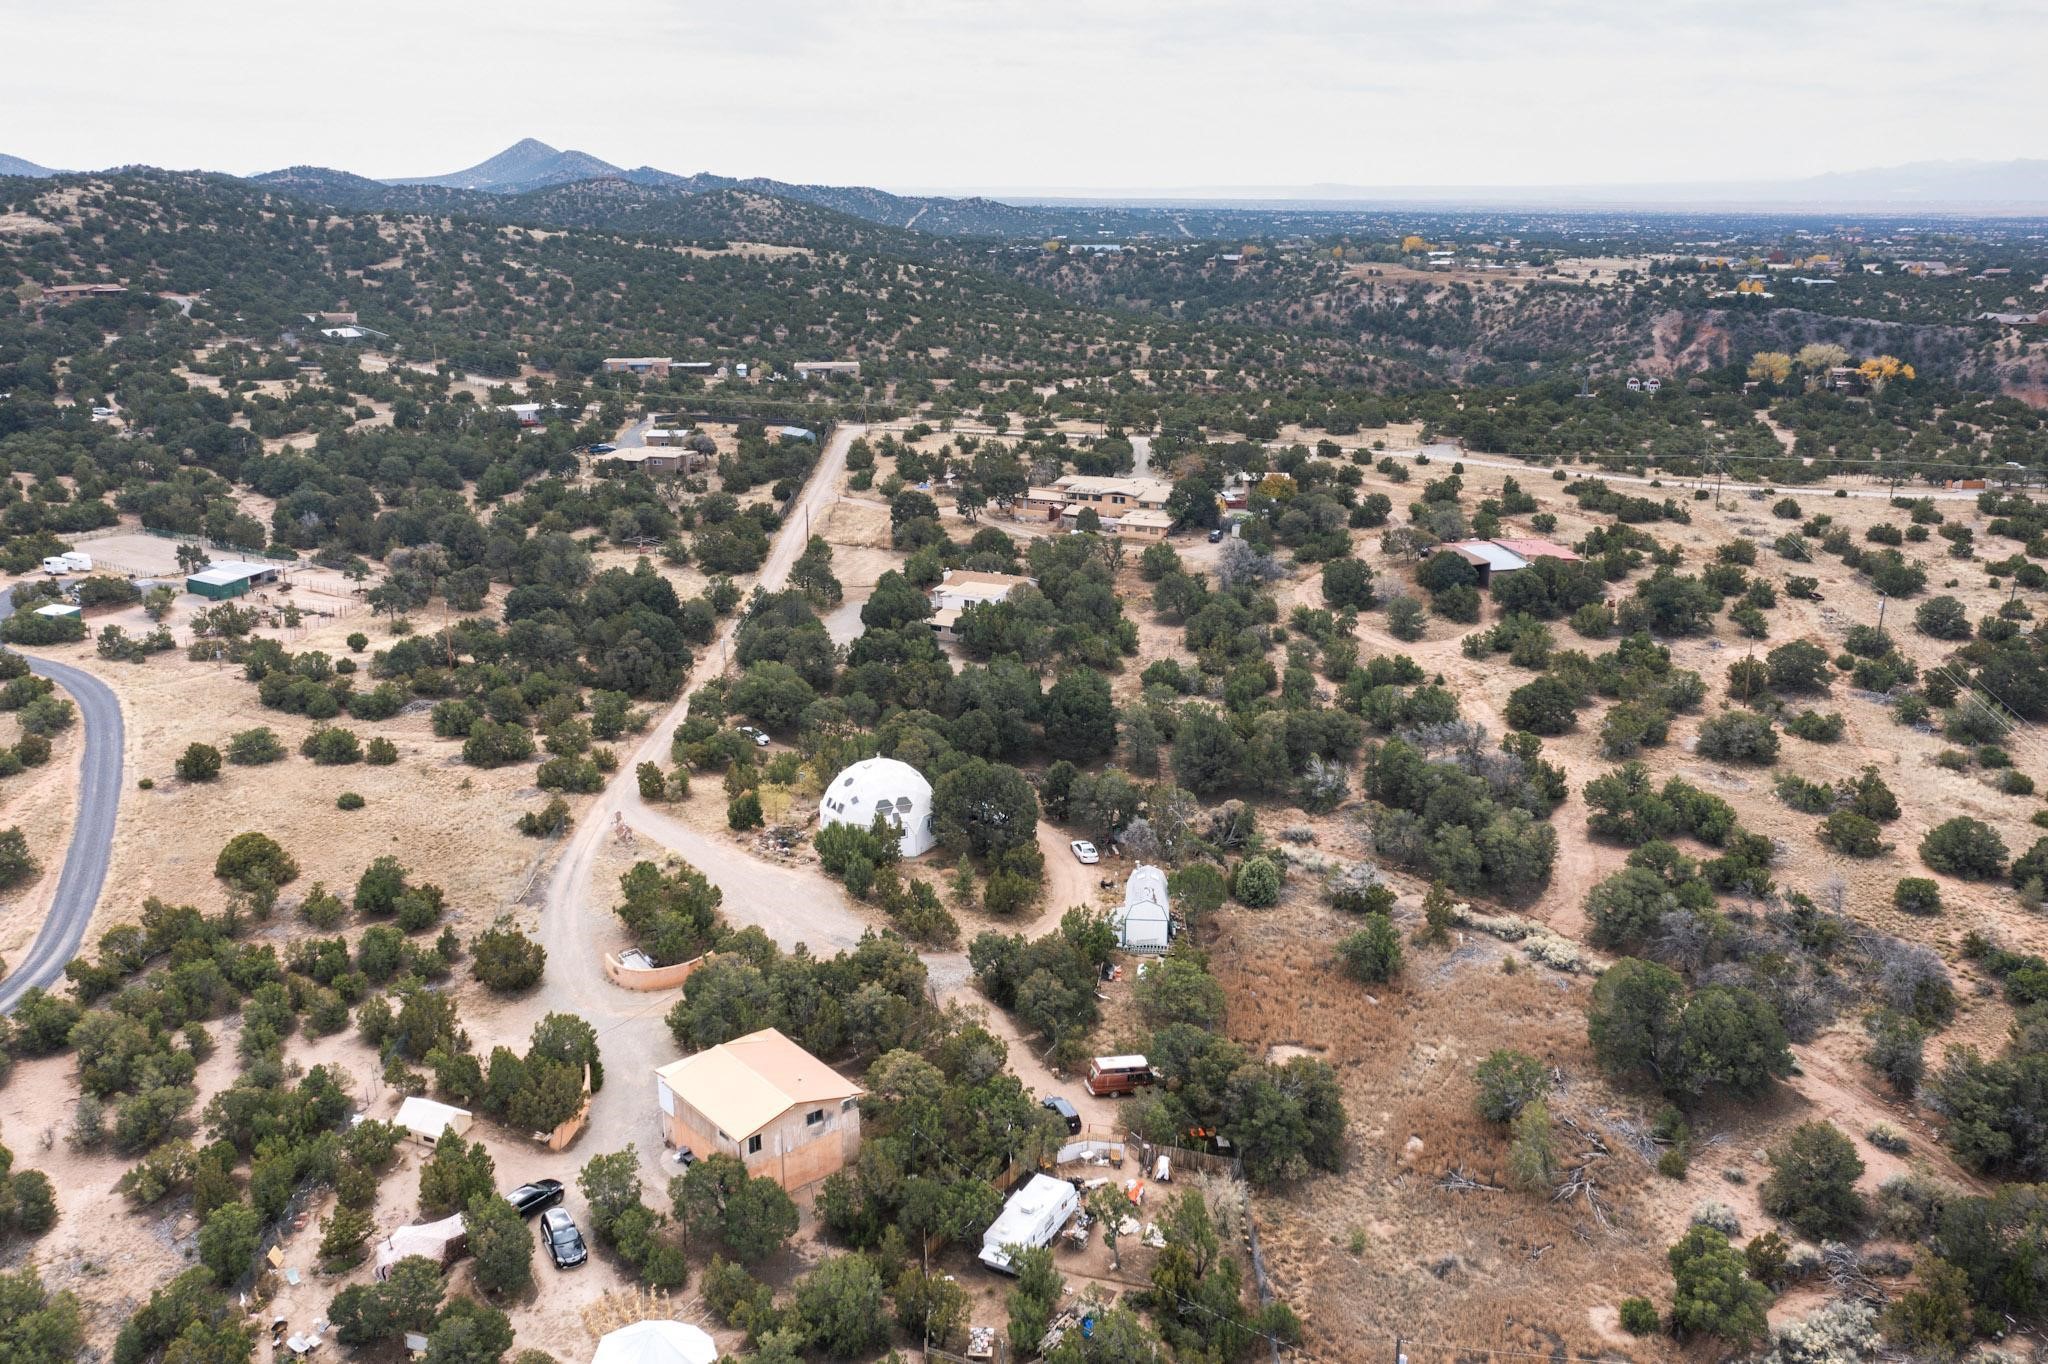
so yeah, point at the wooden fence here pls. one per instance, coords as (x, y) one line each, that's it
(1182, 1160)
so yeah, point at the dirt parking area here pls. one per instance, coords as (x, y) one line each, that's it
(135, 553)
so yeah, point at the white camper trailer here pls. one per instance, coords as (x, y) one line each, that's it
(1032, 1217)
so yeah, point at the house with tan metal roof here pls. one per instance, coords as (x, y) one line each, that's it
(1087, 490)
(781, 1111)
(962, 588)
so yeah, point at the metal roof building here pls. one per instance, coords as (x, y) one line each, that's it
(218, 582)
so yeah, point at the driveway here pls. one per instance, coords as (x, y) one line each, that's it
(92, 831)
(789, 905)
(792, 905)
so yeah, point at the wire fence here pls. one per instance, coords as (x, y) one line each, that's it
(247, 551)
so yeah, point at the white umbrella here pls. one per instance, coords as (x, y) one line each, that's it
(656, 1342)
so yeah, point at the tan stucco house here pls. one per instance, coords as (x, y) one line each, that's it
(784, 1113)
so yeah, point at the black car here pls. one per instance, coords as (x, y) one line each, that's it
(538, 1196)
(1067, 1111)
(564, 1242)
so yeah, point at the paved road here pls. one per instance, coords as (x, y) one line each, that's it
(92, 833)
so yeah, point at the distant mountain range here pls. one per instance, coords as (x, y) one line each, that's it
(14, 165)
(532, 182)
(531, 164)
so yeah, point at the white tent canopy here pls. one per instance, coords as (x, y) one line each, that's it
(656, 1342)
(424, 1120)
(443, 1242)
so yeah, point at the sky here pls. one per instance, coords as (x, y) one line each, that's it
(1045, 96)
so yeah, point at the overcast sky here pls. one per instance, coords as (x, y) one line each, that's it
(1049, 94)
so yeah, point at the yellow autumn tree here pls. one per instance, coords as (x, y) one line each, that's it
(1412, 244)
(1770, 367)
(1880, 370)
(1820, 357)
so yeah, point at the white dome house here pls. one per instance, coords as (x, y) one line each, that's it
(895, 788)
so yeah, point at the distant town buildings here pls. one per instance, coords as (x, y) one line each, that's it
(66, 293)
(654, 366)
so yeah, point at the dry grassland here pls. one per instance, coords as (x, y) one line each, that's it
(1505, 1270)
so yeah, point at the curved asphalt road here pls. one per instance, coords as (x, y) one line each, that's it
(92, 836)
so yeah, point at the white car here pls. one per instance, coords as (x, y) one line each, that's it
(760, 739)
(1084, 852)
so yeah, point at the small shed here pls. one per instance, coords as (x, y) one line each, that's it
(59, 609)
(1144, 922)
(1488, 557)
(218, 582)
(424, 1120)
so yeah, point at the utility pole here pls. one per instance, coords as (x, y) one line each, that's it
(1880, 610)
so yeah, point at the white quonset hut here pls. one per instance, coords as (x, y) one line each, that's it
(894, 788)
(1144, 922)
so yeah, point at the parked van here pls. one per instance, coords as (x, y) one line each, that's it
(1118, 1074)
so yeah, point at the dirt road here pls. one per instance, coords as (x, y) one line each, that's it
(576, 933)
(791, 905)
(1454, 454)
